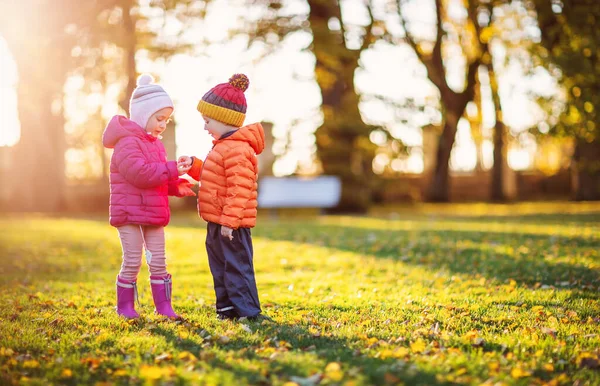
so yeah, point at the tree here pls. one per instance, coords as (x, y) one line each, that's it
(49, 40)
(481, 15)
(343, 145)
(40, 35)
(570, 43)
(453, 102)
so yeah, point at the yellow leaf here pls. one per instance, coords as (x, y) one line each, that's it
(120, 373)
(385, 354)
(539, 353)
(334, 372)
(372, 341)
(518, 372)
(401, 352)
(290, 384)
(548, 367)
(151, 372)
(460, 371)
(187, 356)
(66, 373)
(418, 346)
(494, 366)
(6, 352)
(471, 334)
(31, 364)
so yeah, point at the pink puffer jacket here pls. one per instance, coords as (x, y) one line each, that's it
(141, 178)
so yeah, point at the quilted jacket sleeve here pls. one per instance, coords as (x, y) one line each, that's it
(196, 169)
(134, 167)
(240, 178)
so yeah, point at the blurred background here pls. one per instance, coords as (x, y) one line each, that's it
(403, 101)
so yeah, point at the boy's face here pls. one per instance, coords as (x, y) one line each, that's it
(158, 122)
(215, 128)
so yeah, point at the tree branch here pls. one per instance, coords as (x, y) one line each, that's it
(433, 63)
(338, 13)
(436, 54)
(369, 29)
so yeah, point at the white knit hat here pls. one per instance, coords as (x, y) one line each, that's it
(146, 100)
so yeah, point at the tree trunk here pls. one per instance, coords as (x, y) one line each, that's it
(39, 155)
(343, 144)
(586, 171)
(130, 46)
(476, 124)
(497, 192)
(439, 187)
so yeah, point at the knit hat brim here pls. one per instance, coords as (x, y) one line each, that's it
(221, 114)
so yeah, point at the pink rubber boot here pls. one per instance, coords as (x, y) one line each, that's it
(161, 293)
(126, 297)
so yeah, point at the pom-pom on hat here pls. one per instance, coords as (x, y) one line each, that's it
(226, 101)
(147, 99)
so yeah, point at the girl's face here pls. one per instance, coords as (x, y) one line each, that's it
(158, 122)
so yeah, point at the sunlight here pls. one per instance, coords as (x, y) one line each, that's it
(10, 129)
(283, 91)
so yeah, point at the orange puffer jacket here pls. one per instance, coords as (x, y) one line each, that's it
(227, 193)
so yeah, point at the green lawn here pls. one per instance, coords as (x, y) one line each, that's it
(454, 294)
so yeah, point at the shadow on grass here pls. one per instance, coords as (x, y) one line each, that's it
(526, 258)
(305, 350)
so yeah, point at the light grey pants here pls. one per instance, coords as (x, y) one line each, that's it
(133, 239)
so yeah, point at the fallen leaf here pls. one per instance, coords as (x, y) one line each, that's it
(418, 346)
(310, 381)
(120, 373)
(334, 371)
(162, 357)
(549, 331)
(6, 352)
(391, 378)
(587, 360)
(518, 372)
(31, 364)
(246, 328)
(224, 339)
(186, 356)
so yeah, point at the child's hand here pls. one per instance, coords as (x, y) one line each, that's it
(185, 160)
(185, 189)
(227, 232)
(182, 168)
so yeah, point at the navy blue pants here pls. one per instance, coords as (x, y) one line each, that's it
(232, 268)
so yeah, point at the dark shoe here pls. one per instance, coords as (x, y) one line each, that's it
(260, 318)
(225, 317)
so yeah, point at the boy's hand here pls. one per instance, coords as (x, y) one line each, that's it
(185, 160)
(185, 189)
(182, 168)
(227, 232)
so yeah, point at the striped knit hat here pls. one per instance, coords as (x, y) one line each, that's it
(146, 100)
(226, 101)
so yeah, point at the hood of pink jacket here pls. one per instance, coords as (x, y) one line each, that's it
(120, 127)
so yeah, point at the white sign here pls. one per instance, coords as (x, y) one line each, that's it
(298, 192)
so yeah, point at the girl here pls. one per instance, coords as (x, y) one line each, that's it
(141, 179)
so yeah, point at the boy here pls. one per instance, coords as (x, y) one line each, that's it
(227, 197)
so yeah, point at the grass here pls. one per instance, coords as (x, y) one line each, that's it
(459, 294)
